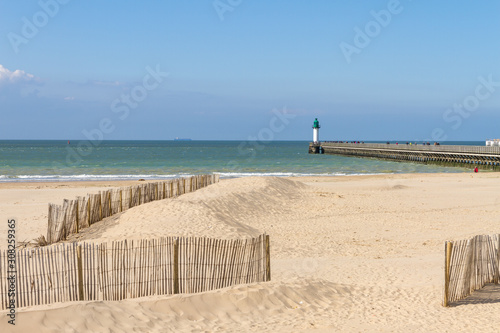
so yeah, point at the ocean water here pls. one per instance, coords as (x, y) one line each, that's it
(121, 160)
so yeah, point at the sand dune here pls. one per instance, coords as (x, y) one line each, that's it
(228, 210)
(349, 254)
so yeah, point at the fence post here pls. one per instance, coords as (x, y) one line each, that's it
(50, 224)
(88, 210)
(176, 266)
(121, 201)
(109, 199)
(448, 248)
(100, 206)
(77, 217)
(80, 272)
(268, 259)
(497, 272)
(65, 208)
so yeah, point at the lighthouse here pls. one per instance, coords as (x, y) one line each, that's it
(316, 131)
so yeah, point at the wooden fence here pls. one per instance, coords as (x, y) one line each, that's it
(128, 269)
(469, 265)
(82, 212)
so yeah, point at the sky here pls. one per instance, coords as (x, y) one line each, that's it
(243, 70)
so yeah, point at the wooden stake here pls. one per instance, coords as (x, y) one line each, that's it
(100, 207)
(130, 198)
(268, 259)
(77, 215)
(80, 272)
(449, 247)
(176, 266)
(109, 198)
(88, 210)
(50, 224)
(497, 272)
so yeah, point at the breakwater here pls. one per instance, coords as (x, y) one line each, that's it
(461, 156)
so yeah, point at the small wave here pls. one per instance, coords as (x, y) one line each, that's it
(222, 175)
(286, 174)
(85, 177)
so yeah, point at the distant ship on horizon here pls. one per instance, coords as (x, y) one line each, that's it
(182, 139)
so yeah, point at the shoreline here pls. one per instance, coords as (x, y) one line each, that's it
(121, 182)
(74, 183)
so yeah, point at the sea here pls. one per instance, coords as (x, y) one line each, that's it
(23, 161)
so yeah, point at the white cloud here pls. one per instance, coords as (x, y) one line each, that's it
(15, 76)
(108, 83)
(69, 98)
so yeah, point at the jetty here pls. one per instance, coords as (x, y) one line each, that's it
(484, 157)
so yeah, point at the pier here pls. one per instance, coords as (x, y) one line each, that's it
(460, 156)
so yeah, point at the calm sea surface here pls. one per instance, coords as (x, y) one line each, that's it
(118, 160)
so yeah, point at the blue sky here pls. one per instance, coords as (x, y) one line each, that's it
(369, 70)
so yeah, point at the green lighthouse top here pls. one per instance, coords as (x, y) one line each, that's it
(316, 123)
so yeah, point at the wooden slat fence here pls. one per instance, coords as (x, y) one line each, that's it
(128, 269)
(82, 212)
(469, 265)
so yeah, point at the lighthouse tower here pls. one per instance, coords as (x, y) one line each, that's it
(316, 131)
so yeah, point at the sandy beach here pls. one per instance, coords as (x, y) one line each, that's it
(348, 254)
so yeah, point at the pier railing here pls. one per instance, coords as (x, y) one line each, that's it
(416, 147)
(469, 265)
(486, 157)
